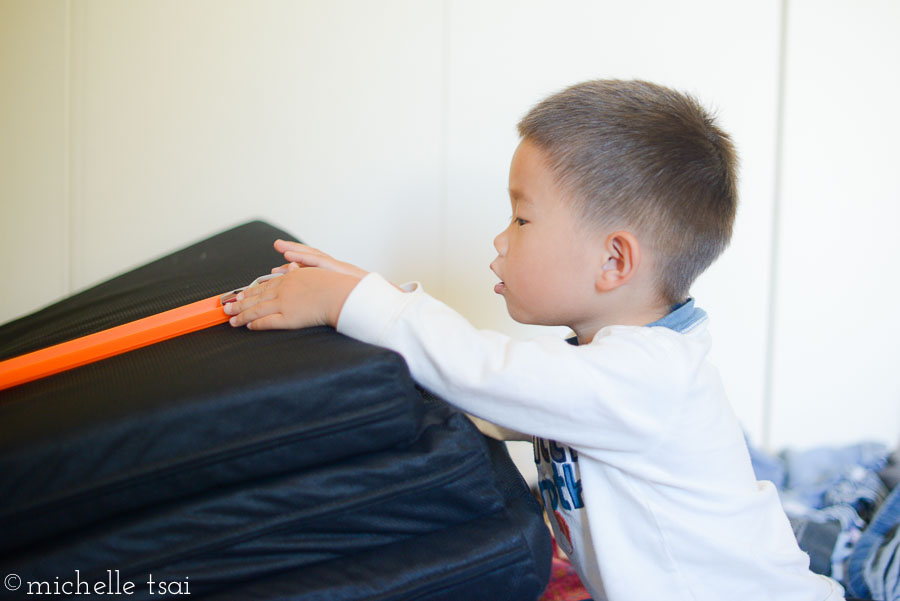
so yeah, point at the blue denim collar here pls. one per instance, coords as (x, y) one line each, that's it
(681, 318)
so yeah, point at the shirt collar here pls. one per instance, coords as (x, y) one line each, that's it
(681, 318)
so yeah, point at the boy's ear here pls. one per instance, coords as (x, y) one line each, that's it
(623, 253)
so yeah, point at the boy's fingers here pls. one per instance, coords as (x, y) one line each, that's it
(275, 321)
(283, 246)
(325, 262)
(249, 293)
(313, 257)
(265, 290)
(245, 302)
(287, 267)
(308, 257)
(253, 313)
(280, 244)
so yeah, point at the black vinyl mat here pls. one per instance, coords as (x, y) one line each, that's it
(260, 465)
(206, 409)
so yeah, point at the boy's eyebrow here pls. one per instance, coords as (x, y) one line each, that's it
(518, 196)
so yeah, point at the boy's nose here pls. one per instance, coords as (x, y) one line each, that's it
(500, 243)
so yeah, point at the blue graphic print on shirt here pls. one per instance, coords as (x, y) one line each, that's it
(559, 484)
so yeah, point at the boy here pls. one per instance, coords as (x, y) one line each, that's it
(622, 193)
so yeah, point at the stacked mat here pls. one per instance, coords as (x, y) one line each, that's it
(228, 464)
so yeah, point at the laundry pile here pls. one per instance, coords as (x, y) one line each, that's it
(844, 506)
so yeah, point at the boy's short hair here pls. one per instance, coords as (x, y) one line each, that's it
(639, 155)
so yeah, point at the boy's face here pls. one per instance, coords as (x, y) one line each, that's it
(546, 262)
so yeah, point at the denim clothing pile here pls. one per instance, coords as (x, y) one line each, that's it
(844, 506)
(874, 565)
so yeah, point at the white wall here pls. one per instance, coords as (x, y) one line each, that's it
(34, 196)
(382, 132)
(837, 339)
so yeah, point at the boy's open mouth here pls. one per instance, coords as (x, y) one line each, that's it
(498, 288)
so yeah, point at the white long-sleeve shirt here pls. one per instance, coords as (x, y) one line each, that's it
(643, 467)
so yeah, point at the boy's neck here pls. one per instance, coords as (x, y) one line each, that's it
(586, 331)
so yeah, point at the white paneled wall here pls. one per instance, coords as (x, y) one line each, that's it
(837, 338)
(34, 196)
(321, 117)
(382, 130)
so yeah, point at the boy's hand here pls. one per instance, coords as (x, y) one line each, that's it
(301, 255)
(301, 298)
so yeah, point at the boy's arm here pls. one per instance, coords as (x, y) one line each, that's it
(618, 393)
(282, 306)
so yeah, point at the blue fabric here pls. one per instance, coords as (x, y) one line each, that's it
(841, 472)
(818, 539)
(767, 467)
(681, 318)
(835, 484)
(831, 494)
(874, 564)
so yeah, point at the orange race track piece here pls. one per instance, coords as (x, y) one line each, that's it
(120, 339)
(113, 341)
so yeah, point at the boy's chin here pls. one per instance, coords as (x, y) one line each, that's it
(523, 317)
(526, 316)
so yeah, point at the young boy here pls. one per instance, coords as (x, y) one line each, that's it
(622, 193)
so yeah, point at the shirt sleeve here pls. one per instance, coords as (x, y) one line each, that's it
(617, 393)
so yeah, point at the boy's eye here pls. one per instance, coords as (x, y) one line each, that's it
(520, 221)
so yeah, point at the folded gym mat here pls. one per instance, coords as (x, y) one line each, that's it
(247, 530)
(488, 559)
(212, 457)
(504, 556)
(209, 409)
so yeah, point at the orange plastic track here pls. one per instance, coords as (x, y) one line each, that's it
(114, 341)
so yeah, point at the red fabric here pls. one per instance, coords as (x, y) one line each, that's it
(564, 582)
